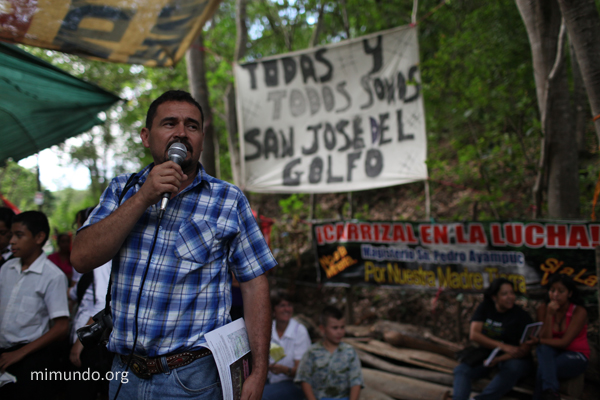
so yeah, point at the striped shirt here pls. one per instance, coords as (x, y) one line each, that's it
(207, 231)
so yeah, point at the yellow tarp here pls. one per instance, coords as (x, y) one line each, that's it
(148, 32)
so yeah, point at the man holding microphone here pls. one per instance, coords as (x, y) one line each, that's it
(181, 261)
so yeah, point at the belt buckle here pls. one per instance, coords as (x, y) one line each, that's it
(139, 368)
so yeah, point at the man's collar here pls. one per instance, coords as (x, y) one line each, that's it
(288, 330)
(36, 267)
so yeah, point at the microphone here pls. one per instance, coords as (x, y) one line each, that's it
(177, 153)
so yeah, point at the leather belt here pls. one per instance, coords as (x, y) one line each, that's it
(144, 368)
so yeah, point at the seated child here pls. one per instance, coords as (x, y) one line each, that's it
(330, 369)
(34, 314)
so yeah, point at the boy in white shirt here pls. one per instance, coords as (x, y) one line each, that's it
(34, 314)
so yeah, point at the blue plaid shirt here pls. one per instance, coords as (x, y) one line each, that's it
(207, 231)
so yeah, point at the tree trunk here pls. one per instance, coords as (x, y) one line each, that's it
(196, 71)
(314, 40)
(583, 24)
(345, 18)
(542, 20)
(230, 102)
(580, 103)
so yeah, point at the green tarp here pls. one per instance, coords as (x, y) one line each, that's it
(41, 105)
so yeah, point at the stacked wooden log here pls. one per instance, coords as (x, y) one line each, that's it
(409, 363)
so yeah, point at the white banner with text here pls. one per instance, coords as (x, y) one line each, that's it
(344, 117)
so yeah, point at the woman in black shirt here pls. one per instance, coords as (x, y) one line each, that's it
(497, 322)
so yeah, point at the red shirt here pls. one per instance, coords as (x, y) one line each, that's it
(65, 266)
(580, 343)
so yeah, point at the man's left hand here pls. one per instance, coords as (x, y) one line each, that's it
(252, 388)
(10, 358)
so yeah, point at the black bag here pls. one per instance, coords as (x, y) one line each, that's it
(473, 356)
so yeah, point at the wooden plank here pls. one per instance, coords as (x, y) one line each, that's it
(396, 354)
(402, 387)
(419, 355)
(430, 376)
(398, 339)
(371, 394)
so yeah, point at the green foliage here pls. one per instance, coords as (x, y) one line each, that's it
(68, 203)
(294, 204)
(19, 186)
(482, 117)
(476, 74)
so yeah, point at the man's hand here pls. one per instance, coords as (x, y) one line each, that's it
(257, 315)
(552, 307)
(252, 388)
(514, 351)
(10, 358)
(75, 355)
(493, 363)
(279, 369)
(164, 178)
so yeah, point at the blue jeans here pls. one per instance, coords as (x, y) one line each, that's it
(555, 364)
(198, 380)
(284, 390)
(508, 376)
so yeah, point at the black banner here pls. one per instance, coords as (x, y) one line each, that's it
(464, 256)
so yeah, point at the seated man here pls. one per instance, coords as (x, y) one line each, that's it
(34, 313)
(330, 369)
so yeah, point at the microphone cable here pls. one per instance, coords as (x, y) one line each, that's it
(139, 298)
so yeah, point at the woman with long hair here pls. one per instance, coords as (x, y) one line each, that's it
(563, 349)
(497, 322)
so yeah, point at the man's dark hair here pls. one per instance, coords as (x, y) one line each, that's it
(494, 288)
(330, 311)
(171, 95)
(279, 295)
(35, 221)
(6, 216)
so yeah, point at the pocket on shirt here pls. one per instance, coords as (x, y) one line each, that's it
(28, 311)
(194, 241)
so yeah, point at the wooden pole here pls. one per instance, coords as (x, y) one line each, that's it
(350, 208)
(598, 282)
(459, 320)
(427, 201)
(349, 306)
(313, 206)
